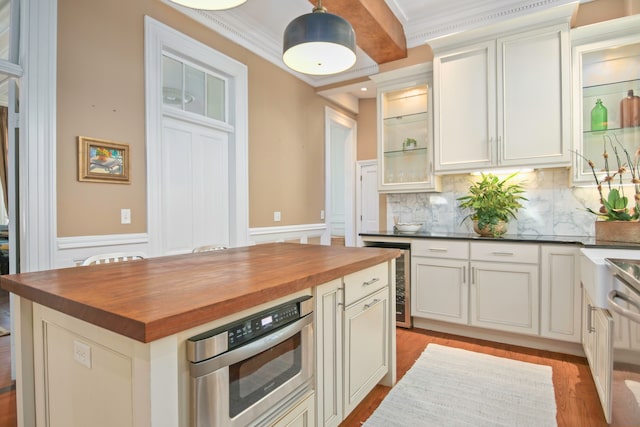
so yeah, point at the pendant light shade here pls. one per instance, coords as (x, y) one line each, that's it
(209, 4)
(319, 43)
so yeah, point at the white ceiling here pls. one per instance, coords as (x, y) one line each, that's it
(259, 25)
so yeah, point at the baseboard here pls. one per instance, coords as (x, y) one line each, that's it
(521, 340)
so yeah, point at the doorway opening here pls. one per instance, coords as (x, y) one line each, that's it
(340, 156)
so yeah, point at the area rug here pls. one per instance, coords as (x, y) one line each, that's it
(453, 387)
(3, 332)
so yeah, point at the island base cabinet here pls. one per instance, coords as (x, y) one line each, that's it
(301, 415)
(366, 329)
(355, 340)
(328, 316)
(88, 376)
(505, 297)
(597, 341)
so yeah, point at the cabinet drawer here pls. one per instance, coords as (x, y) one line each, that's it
(362, 283)
(505, 252)
(437, 248)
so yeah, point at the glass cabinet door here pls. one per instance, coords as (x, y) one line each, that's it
(405, 135)
(606, 100)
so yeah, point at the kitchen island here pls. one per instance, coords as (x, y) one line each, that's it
(131, 321)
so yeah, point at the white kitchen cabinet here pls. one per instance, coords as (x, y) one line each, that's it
(354, 340)
(405, 130)
(503, 101)
(440, 288)
(366, 361)
(560, 294)
(597, 336)
(328, 315)
(505, 287)
(606, 65)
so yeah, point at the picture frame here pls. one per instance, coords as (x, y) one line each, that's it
(100, 160)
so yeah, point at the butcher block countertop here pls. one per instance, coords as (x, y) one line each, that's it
(156, 297)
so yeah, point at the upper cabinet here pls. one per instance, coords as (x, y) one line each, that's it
(405, 135)
(502, 95)
(606, 94)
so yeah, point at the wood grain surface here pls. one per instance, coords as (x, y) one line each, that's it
(156, 297)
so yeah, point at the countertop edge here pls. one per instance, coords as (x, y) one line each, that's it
(584, 241)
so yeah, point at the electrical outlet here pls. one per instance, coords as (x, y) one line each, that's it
(276, 216)
(322, 214)
(125, 216)
(82, 353)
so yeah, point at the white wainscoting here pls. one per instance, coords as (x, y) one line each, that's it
(301, 233)
(70, 251)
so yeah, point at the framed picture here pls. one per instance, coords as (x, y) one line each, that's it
(100, 160)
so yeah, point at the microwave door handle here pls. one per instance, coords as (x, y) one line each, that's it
(236, 355)
(635, 316)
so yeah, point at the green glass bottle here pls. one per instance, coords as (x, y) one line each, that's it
(599, 116)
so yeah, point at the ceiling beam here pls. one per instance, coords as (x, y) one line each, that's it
(378, 32)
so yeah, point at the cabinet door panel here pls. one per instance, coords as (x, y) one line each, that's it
(561, 299)
(328, 316)
(441, 290)
(603, 370)
(533, 98)
(365, 353)
(505, 296)
(464, 97)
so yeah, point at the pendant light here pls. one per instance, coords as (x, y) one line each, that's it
(209, 4)
(319, 43)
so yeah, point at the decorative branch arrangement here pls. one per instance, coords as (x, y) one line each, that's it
(614, 207)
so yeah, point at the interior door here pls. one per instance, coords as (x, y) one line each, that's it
(369, 198)
(195, 186)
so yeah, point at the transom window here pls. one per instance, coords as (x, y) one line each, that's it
(193, 89)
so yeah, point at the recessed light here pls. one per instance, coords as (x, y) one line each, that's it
(363, 89)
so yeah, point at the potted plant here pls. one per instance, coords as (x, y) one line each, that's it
(492, 201)
(618, 216)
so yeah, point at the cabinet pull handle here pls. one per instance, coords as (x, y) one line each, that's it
(464, 274)
(371, 282)
(502, 253)
(437, 250)
(372, 303)
(590, 310)
(473, 275)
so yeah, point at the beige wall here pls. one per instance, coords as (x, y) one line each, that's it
(101, 94)
(604, 10)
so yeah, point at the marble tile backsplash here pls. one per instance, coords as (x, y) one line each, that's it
(553, 208)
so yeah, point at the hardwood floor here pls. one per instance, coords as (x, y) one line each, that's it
(576, 397)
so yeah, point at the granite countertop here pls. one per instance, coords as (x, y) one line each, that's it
(156, 297)
(585, 241)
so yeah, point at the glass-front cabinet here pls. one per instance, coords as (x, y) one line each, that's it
(405, 148)
(606, 75)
